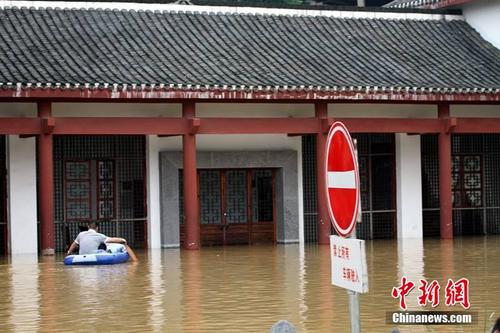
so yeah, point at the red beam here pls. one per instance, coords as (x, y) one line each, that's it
(224, 95)
(292, 126)
(27, 126)
(477, 125)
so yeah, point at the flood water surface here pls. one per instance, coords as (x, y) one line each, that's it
(241, 289)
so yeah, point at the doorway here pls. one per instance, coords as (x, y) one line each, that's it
(237, 206)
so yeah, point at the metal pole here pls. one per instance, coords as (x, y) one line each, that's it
(354, 304)
(353, 296)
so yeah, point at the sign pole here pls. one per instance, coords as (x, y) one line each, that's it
(354, 296)
(354, 304)
(343, 193)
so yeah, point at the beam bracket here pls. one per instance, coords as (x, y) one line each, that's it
(48, 125)
(326, 123)
(450, 124)
(194, 125)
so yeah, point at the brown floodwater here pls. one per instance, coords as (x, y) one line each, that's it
(241, 289)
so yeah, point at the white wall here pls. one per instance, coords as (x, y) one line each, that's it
(232, 142)
(409, 186)
(248, 110)
(116, 110)
(153, 188)
(484, 16)
(22, 194)
(18, 110)
(480, 111)
(382, 110)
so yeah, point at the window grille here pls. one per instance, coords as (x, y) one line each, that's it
(376, 158)
(309, 188)
(100, 178)
(475, 184)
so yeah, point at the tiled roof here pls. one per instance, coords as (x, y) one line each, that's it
(410, 3)
(83, 47)
(424, 3)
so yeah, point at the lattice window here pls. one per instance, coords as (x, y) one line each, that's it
(77, 189)
(364, 180)
(105, 189)
(467, 181)
(210, 196)
(236, 194)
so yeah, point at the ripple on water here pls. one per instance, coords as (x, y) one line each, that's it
(239, 289)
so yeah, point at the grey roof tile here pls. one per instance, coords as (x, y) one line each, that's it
(429, 4)
(79, 46)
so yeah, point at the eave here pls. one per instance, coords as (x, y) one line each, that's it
(259, 94)
(446, 3)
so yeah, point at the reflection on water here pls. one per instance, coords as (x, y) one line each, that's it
(24, 293)
(239, 289)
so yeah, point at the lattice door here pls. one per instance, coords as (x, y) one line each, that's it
(236, 196)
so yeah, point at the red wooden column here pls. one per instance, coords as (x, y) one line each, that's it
(324, 225)
(445, 193)
(46, 179)
(190, 183)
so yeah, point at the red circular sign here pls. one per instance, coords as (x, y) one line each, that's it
(342, 179)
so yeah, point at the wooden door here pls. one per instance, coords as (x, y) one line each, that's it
(210, 200)
(237, 206)
(235, 215)
(263, 204)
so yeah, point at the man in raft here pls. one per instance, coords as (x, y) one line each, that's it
(89, 241)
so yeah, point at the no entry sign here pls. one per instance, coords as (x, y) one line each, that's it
(342, 179)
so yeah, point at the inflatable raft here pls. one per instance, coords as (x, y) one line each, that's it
(114, 254)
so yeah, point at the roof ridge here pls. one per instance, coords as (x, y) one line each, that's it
(225, 10)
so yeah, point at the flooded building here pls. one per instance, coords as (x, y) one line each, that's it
(189, 126)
